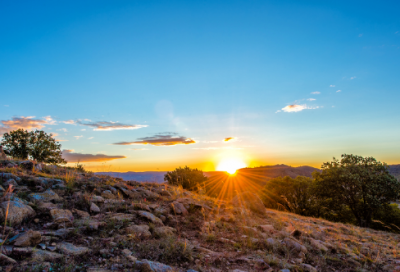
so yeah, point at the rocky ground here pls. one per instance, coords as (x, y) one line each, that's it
(59, 219)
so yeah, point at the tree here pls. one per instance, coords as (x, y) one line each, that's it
(37, 144)
(190, 179)
(293, 194)
(362, 184)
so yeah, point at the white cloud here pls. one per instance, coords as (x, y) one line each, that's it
(338, 91)
(311, 99)
(315, 92)
(69, 122)
(77, 137)
(83, 129)
(331, 85)
(62, 129)
(297, 108)
(90, 138)
(353, 77)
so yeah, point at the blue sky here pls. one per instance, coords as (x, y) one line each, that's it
(197, 72)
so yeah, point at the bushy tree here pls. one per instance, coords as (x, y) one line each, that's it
(37, 144)
(364, 185)
(189, 179)
(291, 194)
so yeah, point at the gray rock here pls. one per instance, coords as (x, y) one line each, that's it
(6, 176)
(164, 231)
(10, 182)
(164, 210)
(307, 268)
(81, 214)
(94, 208)
(29, 238)
(293, 245)
(178, 208)
(62, 216)
(97, 269)
(70, 249)
(250, 201)
(97, 199)
(284, 270)
(46, 207)
(7, 259)
(28, 165)
(148, 194)
(17, 211)
(46, 196)
(139, 230)
(149, 266)
(151, 217)
(44, 255)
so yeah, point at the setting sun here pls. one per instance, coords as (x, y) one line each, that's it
(230, 165)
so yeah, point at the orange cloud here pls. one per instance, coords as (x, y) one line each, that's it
(70, 156)
(161, 140)
(105, 125)
(229, 139)
(297, 108)
(27, 123)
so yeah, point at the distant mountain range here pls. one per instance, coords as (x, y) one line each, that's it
(259, 175)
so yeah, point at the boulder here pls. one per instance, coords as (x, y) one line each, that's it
(307, 268)
(149, 266)
(164, 231)
(28, 165)
(107, 194)
(178, 208)
(164, 210)
(139, 230)
(148, 194)
(94, 208)
(81, 214)
(97, 199)
(46, 196)
(39, 255)
(62, 216)
(122, 217)
(46, 207)
(295, 246)
(6, 176)
(70, 249)
(250, 201)
(17, 211)
(29, 238)
(151, 217)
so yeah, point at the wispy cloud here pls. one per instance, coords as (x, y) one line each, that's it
(138, 149)
(78, 137)
(27, 123)
(311, 99)
(297, 108)
(315, 92)
(338, 91)
(69, 122)
(229, 139)
(331, 85)
(62, 129)
(70, 156)
(160, 140)
(206, 148)
(353, 77)
(105, 125)
(90, 138)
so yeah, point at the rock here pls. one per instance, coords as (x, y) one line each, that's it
(164, 231)
(128, 254)
(149, 266)
(138, 230)
(29, 238)
(62, 233)
(81, 214)
(46, 207)
(250, 201)
(97, 269)
(46, 196)
(249, 231)
(89, 223)
(267, 229)
(284, 270)
(318, 245)
(94, 208)
(293, 245)
(70, 249)
(28, 165)
(107, 194)
(296, 234)
(307, 268)
(190, 202)
(17, 211)
(178, 208)
(97, 199)
(62, 216)
(7, 259)
(10, 182)
(151, 217)
(39, 255)
(6, 176)
(271, 242)
(148, 194)
(164, 210)
(122, 217)
(141, 206)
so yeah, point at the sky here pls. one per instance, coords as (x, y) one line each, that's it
(154, 85)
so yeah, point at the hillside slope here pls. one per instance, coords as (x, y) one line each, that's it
(63, 220)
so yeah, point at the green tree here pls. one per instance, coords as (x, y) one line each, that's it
(16, 143)
(37, 145)
(189, 179)
(364, 185)
(292, 194)
(44, 148)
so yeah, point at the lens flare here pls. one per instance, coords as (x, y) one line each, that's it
(230, 165)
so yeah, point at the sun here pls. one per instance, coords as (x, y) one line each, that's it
(230, 165)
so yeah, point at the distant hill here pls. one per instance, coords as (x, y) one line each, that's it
(395, 170)
(260, 175)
